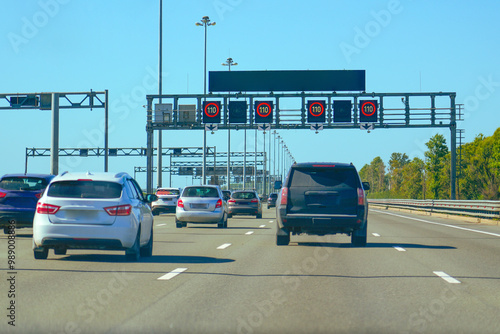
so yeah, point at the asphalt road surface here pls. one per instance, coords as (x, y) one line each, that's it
(418, 274)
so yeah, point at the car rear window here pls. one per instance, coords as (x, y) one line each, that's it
(167, 192)
(324, 177)
(244, 195)
(200, 192)
(23, 183)
(273, 195)
(85, 189)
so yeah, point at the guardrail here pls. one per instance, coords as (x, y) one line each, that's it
(485, 209)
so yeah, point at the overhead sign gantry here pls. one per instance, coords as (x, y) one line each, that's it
(321, 100)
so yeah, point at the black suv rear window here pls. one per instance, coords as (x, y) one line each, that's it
(85, 189)
(324, 177)
(23, 183)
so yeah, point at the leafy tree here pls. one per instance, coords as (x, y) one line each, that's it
(436, 166)
(396, 164)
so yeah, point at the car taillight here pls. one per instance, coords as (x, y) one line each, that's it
(120, 210)
(284, 196)
(231, 201)
(218, 204)
(180, 204)
(2, 195)
(46, 209)
(361, 196)
(255, 200)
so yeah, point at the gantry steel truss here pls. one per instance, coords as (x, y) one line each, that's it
(395, 110)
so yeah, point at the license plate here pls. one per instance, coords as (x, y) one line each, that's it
(199, 206)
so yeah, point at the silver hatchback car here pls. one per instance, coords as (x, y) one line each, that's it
(201, 205)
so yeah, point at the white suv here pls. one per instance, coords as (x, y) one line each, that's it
(103, 211)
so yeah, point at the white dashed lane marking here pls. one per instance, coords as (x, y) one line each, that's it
(249, 232)
(223, 246)
(172, 274)
(399, 249)
(376, 234)
(446, 277)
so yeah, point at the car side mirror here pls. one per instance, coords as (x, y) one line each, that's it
(151, 198)
(366, 185)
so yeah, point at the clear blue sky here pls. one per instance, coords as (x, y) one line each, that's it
(69, 45)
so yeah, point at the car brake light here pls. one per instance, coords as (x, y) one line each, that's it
(284, 196)
(46, 209)
(2, 195)
(180, 204)
(120, 210)
(219, 204)
(231, 201)
(255, 200)
(361, 196)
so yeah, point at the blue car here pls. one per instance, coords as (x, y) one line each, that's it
(19, 194)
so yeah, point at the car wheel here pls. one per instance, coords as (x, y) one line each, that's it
(178, 224)
(268, 206)
(282, 240)
(134, 252)
(147, 251)
(41, 254)
(229, 215)
(60, 251)
(358, 237)
(225, 223)
(258, 216)
(221, 223)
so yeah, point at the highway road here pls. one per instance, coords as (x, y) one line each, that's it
(418, 274)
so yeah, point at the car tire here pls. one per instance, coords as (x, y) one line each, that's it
(134, 252)
(222, 223)
(282, 237)
(41, 254)
(258, 216)
(60, 251)
(229, 215)
(147, 250)
(358, 237)
(178, 224)
(268, 206)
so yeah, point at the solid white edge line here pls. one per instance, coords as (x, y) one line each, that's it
(249, 232)
(399, 249)
(446, 277)
(224, 246)
(172, 274)
(447, 225)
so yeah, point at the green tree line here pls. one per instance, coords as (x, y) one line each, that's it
(478, 172)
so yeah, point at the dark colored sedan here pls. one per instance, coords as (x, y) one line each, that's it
(244, 202)
(19, 194)
(271, 200)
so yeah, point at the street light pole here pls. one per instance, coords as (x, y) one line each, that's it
(229, 62)
(160, 140)
(205, 22)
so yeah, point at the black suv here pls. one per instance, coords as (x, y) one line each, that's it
(320, 199)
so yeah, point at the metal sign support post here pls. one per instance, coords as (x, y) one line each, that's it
(54, 149)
